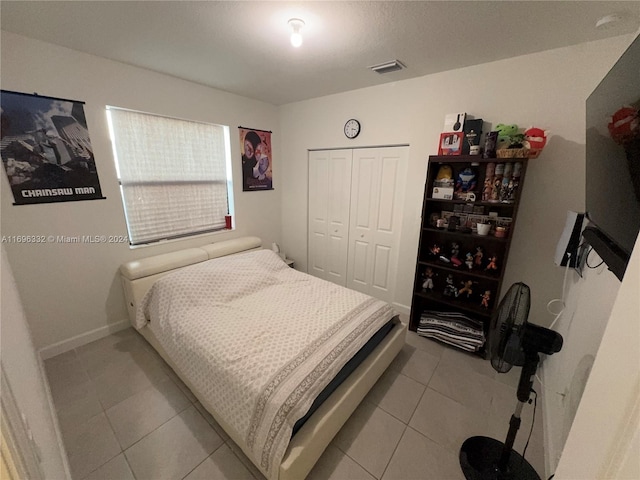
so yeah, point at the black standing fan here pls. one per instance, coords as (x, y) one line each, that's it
(512, 341)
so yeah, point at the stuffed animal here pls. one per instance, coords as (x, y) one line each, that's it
(509, 136)
(444, 178)
(624, 125)
(535, 139)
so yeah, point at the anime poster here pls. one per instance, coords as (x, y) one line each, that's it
(45, 149)
(255, 146)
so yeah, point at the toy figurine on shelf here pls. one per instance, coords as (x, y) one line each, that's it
(477, 257)
(488, 182)
(469, 260)
(488, 188)
(466, 183)
(467, 288)
(434, 250)
(455, 250)
(495, 190)
(486, 296)
(450, 290)
(428, 279)
(492, 263)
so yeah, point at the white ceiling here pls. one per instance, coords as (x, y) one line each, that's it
(243, 46)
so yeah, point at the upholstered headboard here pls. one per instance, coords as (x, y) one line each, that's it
(139, 275)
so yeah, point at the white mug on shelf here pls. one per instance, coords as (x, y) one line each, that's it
(483, 228)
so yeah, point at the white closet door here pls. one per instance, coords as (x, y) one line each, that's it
(377, 197)
(329, 196)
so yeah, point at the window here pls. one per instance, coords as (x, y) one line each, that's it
(175, 175)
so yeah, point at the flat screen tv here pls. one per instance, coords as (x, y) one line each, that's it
(613, 162)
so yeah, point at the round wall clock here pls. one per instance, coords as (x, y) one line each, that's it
(352, 128)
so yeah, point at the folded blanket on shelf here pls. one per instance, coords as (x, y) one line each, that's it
(453, 328)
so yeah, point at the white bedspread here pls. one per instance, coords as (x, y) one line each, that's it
(259, 340)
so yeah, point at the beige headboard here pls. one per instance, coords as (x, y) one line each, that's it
(139, 275)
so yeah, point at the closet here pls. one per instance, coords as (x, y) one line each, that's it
(355, 217)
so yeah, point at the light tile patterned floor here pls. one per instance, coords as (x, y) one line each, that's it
(125, 415)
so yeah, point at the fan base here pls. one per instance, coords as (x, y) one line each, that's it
(479, 458)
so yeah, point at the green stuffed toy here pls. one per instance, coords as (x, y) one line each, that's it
(509, 136)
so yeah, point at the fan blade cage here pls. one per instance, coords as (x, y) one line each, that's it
(507, 328)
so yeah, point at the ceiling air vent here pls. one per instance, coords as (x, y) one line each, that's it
(388, 67)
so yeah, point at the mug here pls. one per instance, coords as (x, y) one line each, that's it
(483, 228)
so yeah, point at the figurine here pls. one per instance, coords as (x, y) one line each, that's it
(477, 258)
(469, 260)
(488, 187)
(510, 192)
(492, 263)
(466, 181)
(514, 182)
(450, 290)
(428, 280)
(434, 250)
(455, 250)
(486, 296)
(495, 190)
(466, 288)
(506, 178)
(488, 181)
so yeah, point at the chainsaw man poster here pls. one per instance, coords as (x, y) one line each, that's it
(46, 150)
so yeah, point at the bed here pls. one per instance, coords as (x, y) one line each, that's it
(279, 358)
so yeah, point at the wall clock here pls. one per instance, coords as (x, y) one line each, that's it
(352, 128)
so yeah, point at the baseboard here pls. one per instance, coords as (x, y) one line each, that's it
(82, 339)
(404, 309)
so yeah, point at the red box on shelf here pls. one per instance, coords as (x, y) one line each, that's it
(451, 143)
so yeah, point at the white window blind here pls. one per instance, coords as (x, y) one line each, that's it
(173, 174)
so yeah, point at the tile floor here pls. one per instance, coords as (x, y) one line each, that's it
(125, 415)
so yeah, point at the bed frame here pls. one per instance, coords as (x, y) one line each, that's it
(308, 444)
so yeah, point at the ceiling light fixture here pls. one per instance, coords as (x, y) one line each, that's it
(296, 37)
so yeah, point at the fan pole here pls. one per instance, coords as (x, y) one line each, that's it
(524, 392)
(514, 426)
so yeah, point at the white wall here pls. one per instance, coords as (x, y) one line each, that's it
(27, 382)
(589, 301)
(546, 89)
(603, 441)
(71, 289)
